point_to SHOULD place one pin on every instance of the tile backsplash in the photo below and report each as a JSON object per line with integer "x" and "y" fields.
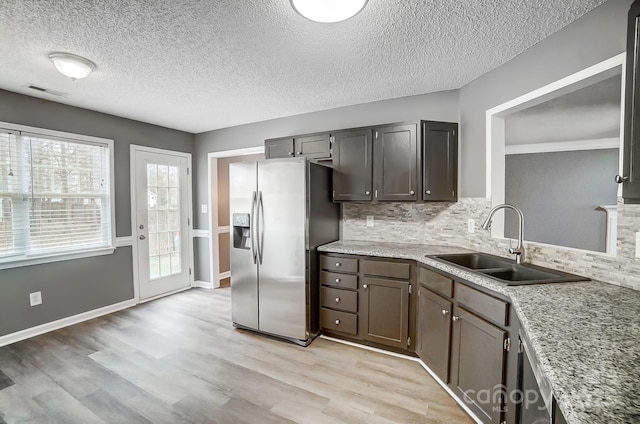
{"x": 446, "y": 224}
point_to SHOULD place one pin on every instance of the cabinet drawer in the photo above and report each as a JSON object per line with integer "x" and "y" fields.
{"x": 436, "y": 282}
{"x": 343, "y": 300}
{"x": 386, "y": 269}
{"x": 335, "y": 279}
{"x": 495, "y": 309}
{"x": 337, "y": 263}
{"x": 339, "y": 321}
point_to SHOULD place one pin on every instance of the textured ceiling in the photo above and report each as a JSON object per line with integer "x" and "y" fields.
{"x": 589, "y": 113}
{"x": 203, "y": 65}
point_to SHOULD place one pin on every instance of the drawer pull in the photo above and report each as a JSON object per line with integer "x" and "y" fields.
{"x": 338, "y": 264}
{"x": 337, "y": 300}
{"x": 445, "y": 312}
{"x": 338, "y": 280}
{"x": 364, "y": 286}
{"x": 337, "y": 322}
{"x": 455, "y": 318}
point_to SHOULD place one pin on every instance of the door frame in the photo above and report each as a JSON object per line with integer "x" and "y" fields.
{"x": 133, "y": 149}
{"x": 212, "y": 195}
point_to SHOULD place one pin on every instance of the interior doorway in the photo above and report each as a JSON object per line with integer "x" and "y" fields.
{"x": 219, "y": 207}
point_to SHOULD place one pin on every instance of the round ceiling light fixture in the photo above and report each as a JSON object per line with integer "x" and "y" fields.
{"x": 328, "y": 11}
{"x": 71, "y": 65}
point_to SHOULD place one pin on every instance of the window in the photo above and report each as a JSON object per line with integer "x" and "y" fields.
{"x": 56, "y": 197}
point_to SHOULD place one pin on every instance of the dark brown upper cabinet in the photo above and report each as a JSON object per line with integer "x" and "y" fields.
{"x": 315, "y": 147}
{"x": 630, "y": 178}
{"x": 352, "y": 156}
{"x": 396, "y": 163}
{"x": 439, "y": 161}
{"x": 279, "y": 148}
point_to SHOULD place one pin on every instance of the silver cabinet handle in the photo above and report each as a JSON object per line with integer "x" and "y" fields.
{"x": 141, "y": 227}
{"x": 337, "y": 322}
{"x": 142, "y": 237}
{"x": 427, "y": 191}
{"x": 298, "y": 153}
{"x": 412, "y": 192}
{"x": 337, "y": 300}
{"x": 445, "y": 312}
{"x": 367, "y": 192}
{"x": 290, "y": 153}
{"x": 338, "y": 264}
{"x": 364, "y": 286}
{"x": 620, "y": 179}
{"x": 338, "y": 280}
{"x": 455, "y": 318}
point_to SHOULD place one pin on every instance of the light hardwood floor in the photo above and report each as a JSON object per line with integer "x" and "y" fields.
{"x": 179, "y": 360}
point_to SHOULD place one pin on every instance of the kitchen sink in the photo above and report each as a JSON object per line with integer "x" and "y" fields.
{"x": 476, "y": 260}
{"x": 506, "y": 271}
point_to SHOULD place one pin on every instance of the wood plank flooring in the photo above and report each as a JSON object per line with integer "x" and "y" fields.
{"x": 179, "y": 360}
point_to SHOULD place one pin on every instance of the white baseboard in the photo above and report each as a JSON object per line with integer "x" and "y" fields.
{"x": 203, "y": 284}
{"x": 64, "y": 322}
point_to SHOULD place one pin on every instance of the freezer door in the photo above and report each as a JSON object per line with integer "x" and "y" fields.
{"x": 244, "y": 272}
{"x": 282, "y": 228}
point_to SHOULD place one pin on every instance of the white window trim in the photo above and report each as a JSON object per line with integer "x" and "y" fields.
{"x": 9, "y": 262}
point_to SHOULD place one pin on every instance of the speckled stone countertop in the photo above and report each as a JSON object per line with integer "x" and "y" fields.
{"x": 585, "y": 335}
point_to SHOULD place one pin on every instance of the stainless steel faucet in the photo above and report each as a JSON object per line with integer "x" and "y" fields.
{"x": 519, "y": 250}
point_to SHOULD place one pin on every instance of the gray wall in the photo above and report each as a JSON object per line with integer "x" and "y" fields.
{"x": 598, "y": 35}
{"x": 442, "y": 106}
{"x": 72, "y": 287}
{"x": 559, "y": 192}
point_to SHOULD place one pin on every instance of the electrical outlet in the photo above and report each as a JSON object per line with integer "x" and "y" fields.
{"x": 203, "y": 208}
{"x": 637, "y": 244}
{"x": 471, "y": 226}
{"x": 35, "y": 298}
{"x": 369, "y": 221}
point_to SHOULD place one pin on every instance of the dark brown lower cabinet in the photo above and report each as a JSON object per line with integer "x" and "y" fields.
{"x": 434, "y": 332}
{"x": 384, "y": 311}
{"x": 478, "y": 364}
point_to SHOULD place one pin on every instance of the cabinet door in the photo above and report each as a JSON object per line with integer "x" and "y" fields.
{"x": 477, "y": 364}
{"x": 631, "y": 166}
{"x": 434, "y": 332}
{"x": 439, "y": 161}
{"x": 352, "y": 165}
{"x": 384, "y": 311}
{"x": 396, "y": 162}
{"x": 278, "y": 148}
{"x": 313, "y": 146}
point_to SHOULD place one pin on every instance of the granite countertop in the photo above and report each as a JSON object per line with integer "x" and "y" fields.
{"x": 585, "y": 335}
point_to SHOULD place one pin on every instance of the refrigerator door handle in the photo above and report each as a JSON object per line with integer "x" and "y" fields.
{"x": 252, "y": 231}
{"x": 260, "y": 226}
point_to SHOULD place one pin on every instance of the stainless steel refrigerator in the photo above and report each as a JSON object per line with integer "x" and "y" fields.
{"x": 281, "y": 211}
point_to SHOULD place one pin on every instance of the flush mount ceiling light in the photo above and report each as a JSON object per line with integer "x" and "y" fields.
{"x": 328, "y": 11}
{"x": 71, "y": 65}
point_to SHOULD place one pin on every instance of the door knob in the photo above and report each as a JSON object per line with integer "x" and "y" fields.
{"x": 367, "y": 192}
{"x": 412, "y": 192}
{"x": 337, "y": 322}
{"x": 338, "y": 264}
{"x": 337, "y": 280}
{"x": 337, "y": 300}
{"x": 142, "y": 237}
{"x": 427, "y": 191}
{"x": 455, "y": 318}
{"x": 620, "y": 179}
{"x": 364, "y": 286}
{"x": 141, "y": 227}
{"x": 445, "y": 312}
{"x": 290, "y": 153}
{"x": 298, "y": 153}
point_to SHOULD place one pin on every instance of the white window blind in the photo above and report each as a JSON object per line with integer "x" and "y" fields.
{"x": 55, "y": 195}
